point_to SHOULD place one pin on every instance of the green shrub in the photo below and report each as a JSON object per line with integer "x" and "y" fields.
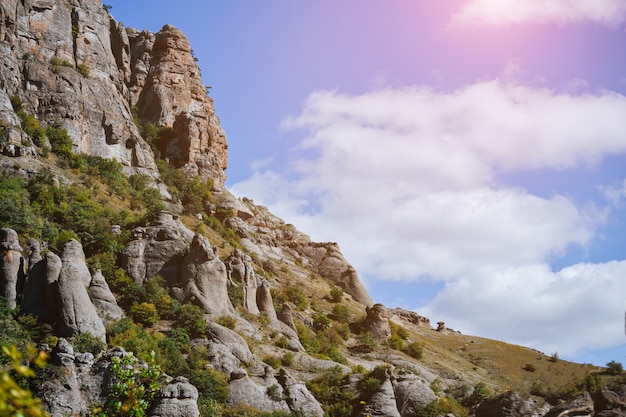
{"x": 614, "y": 367}
{"x": 227, "y": 321}
{"x": 60, "y": 141}
{"x": 336, "y": 294}
{"x": 133, "y": 389}
{"x": 415, "y": 350}
{"x": 341, "y": 313}
{"x": 144, "y": 313}
{"x": 84, "y": 342}
{"x": 321, "y": 321}
{"x": 440, "y": 407}
{"x": 367, "y": 343}
{"x": 83, "y": 69}
{"x": 191, "y": 318}
{"x": 329, "y": 390}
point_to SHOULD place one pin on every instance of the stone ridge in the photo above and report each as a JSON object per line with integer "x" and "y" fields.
{"x": 73, "y": 66}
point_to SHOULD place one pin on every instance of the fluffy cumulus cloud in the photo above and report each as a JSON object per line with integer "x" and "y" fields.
{"x": 504, "y": 12}
{"x": 407, "y": 181}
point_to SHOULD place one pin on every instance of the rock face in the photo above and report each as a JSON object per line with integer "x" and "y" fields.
{"x": 269, "y": 238}
{"x": 72, "y": 65}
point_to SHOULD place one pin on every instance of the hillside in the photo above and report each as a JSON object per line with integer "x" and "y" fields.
{"x": 155, "y": 291}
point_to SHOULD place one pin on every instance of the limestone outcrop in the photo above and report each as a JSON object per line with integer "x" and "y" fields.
{"x": 73, "y": 66}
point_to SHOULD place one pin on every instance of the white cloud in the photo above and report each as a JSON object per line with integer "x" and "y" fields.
{"x": 580, "y": 307}
{"x": 505, "y": 12}
{"x": 406, "y": 180}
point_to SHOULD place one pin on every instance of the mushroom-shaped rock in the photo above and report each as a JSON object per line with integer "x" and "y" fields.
{"x": 103, "y": 299}
{"x": 77, "y": 312}
{"x": 179, "y": 398}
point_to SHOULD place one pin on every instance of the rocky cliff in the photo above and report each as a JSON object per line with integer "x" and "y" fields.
{"x": 112, "y": 170}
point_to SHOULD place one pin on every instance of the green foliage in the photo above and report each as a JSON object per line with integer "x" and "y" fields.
{"x": 329, "y": 390}
{"x": 340, "y": 313}
{"x": 191, "y": 318}
{"x": 84, "y": 342}
{"x": 133, "y": 338}
{"x": 369, "y": 386}
{"x": 441, "y": 407}
{"x": 193, "y": 193}
{"x": 274, "y": 392}
{"x": 480, "y": 394}
{"x": 593, "y": 383}
{"x": 15, "y": 207}
{"x": 144, "y": 313}
{"x": 60, "y": 142}
{"x": 227, "y": 321}
{"x": 16, "y": 400}
{"x": 33, "y": 129}
{"x": 287, "y": 359}
{"x": 83, "y": 69}
{"x": 415, "y": 350}
{"x": 336, "y": 294}
{"x": 321, "y": 321}
{"x": 272, "y": 361}
{"x": 211, "y": 384}
{"x": 614, "y": 367}
{"x": 133, "y": 389}
{"x": 367, "y": 343}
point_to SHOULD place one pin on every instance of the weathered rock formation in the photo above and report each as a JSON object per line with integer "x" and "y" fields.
{"x": 157, "y": 249}
{"x": 72, "y": 65}
{"x": 204, "y": 280}
{"x": 11, "y": 265}
{"x": 77, "y": 314}
{"x": 239, "y": 267}
{"x": 178, "y": 398}
{"x": 377, "y": 322}
{"x": 103, "y": 299}
{"x": 509, "y": 404}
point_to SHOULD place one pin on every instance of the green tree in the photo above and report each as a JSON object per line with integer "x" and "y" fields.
{"x": 16, "y": 400}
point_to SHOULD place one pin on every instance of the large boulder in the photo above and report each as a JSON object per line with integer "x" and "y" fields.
{"x": 179, "y": 398}
{"x": 157, "y": 249}
{"x": 509, "y": 404}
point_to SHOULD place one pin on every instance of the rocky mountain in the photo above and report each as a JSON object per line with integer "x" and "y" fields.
{"x": 157, "y": 292}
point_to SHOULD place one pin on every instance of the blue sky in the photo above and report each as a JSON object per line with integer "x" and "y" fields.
{"x": 468, "y": 155}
